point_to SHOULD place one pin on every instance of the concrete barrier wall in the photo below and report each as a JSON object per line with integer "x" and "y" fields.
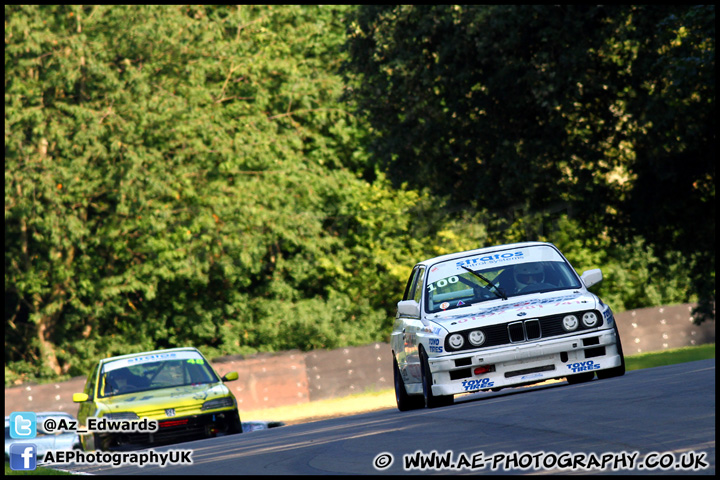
{"x": 660, "y": 328}
{"x": 294, "y": 377}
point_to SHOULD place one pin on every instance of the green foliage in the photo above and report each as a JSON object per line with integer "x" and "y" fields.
{"x": 634, "y": 276}
{"x": 504, "y": 105}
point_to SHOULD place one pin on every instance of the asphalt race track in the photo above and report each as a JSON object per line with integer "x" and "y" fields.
{"x": 662, "y": 416}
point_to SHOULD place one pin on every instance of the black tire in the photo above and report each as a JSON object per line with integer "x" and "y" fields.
{"x": 234, "y": 425}
{"x": 616, "y": 371}
{"x": 404, "y": 401}
{"x": 431, "y": 401}
{"x": 103, "y": 442}
{"x": 580, "y": 378}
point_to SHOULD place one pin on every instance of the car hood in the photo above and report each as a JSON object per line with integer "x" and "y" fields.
{"x": 522, "y": 308}
{"x": 151, "y": 400}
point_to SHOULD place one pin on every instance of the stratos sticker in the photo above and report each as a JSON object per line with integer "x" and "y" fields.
{"x": 498, "y": 257}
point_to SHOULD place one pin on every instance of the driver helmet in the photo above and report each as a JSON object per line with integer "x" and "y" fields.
{"x": 124, "y": 378}
{"x": 528, "y": 274}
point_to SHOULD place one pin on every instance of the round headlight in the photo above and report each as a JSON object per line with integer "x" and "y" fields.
{"x": 456, "y": 340}
{"x": 590, "y": 319}
{"x": 570, "y": 323}
{"x": 476, "y": 337}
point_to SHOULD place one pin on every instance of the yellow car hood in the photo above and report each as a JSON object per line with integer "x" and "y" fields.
{"x": 186, "y": 400}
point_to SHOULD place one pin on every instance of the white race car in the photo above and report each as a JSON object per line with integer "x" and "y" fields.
{"x": 497, "y": 317}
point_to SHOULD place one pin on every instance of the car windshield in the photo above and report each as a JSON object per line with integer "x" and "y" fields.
{"x": 154, "y": 371}
{"x": 502, "y": 274}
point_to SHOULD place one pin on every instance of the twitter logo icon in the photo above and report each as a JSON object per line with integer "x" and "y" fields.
{"x": 23, "y": 425}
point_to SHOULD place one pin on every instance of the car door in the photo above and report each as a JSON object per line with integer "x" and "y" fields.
{"x": 397, "y": 338}
{"x": 407, "y": 326}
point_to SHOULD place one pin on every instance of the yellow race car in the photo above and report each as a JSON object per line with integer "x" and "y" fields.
{"x": 165, "y": 395}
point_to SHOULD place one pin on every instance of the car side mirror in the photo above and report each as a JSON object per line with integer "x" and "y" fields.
{"x": 591, "y": 277}
{"x": 80, "y": 397}
{"x": 230, "y": 376}
{"x": 408, "y": 308}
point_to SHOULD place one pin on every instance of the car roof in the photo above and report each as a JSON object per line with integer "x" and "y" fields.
{"x": 480, "y": 251}
{"x": 152, "y": 352}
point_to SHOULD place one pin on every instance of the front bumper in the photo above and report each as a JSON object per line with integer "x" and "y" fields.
{"x": 525, "y": 363}
{"x": 174, "y": 429}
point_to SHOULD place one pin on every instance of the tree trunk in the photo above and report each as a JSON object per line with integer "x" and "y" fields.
{"x": 47, "y": 349}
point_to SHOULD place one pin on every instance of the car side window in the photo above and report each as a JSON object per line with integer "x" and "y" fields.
{"x": 90, "y": 385}
{"x": 410, "y": 284}
{"x": 417, "y": 288}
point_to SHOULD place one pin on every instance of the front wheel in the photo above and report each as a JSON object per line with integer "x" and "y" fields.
{"x": 616, "y": 371}
{"x": 404, "y": 401}
{"x": 431, "y": 401}
{"x": 103, "y": 442}
{"x": 580, "y": 378}
{"x": 235, "y": 425}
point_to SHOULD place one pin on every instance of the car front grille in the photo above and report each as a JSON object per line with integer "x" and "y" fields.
{"x": 178, "y": 411}
{"x": 532, "y": 329}
{"x": 522, "y": 331}
{"x": 172, "y": 430}
{"x": 516, "y": 332}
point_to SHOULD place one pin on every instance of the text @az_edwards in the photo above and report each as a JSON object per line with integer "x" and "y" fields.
{"x": 100, "y": 425}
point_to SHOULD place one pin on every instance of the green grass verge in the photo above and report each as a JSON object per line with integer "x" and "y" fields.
{"x": 37, "y": 471}
{"x": 669, "y": 357}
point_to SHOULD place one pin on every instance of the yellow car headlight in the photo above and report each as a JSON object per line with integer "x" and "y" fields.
{"x": 218, "y": 403}
{"x": 122, "y": 416}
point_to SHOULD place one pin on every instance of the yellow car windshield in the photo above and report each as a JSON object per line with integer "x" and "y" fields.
{"x": 123, "y": 376}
